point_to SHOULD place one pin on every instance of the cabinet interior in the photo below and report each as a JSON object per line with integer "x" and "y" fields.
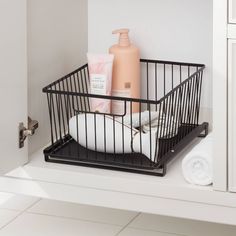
{"x": 60, "y": 33}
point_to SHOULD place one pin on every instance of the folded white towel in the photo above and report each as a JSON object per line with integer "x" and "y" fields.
{"x": 139, "y": 119}
{"x": 165, "y": 126}
{"x": 197, "y": 165}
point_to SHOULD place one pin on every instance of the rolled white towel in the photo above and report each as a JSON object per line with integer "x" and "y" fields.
{"x": 197, "y": 165}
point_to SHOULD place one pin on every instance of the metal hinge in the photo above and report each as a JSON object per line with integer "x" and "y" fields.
{"x": 25, "y": 132}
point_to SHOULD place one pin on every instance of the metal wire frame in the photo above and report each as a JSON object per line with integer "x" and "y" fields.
{"x": 171, "y": 89}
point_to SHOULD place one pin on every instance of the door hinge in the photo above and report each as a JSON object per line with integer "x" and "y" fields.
{"x": 25, "y": 132}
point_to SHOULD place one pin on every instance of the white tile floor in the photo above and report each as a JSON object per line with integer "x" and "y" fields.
{"x": 22, "y": 215}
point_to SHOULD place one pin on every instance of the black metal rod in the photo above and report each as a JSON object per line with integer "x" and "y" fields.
{"x": 179, "y": 84}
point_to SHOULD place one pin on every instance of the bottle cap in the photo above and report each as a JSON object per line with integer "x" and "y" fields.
{"x": 124, "y": 37}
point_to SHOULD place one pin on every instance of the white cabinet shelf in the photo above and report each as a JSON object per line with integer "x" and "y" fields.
{"x": 170, "y": 195}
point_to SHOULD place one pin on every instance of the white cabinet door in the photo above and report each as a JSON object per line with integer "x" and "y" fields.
{"x": 232, "y": 11}
{"x": 232, "y": 114}
{"x": 13, "y": 82}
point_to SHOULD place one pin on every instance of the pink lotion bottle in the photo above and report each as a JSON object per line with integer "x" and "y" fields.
{"x": 126, "y": 72}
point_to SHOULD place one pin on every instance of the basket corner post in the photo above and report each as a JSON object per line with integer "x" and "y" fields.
{"x": 205, "y": 132}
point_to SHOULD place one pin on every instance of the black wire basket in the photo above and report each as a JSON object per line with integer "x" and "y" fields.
{"x": 170, "y": 101}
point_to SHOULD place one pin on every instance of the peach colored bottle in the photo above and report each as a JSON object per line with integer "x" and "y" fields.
{"x": 126, "y": 72}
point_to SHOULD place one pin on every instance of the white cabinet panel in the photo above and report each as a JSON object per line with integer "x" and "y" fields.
{"x": 232, "y": 31}
{"x": 232, "y": 11}
{"x": 232, "y": 115}
{"x": 220, "y": 98}
{"x": 13, "y": 82}
{"x": 57, "y": 45}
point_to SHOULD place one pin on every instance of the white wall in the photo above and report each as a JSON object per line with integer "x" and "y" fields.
{"x": 60, "y": 32}
{"x": 164, "y": 29}
{"x": 57, "y": 44}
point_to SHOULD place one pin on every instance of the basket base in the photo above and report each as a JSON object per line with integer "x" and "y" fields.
{"x": 70, "y": 152}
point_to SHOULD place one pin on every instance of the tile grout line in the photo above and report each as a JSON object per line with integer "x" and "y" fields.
{"x": 20, "y": 213}
{"x": 73, "y": 218}
{"x": 124, "y": 227}
{"x": 135, "y": 217}
{"x": 31, "y": 205}
{"x": 157, "y": 231}
{"x": 11, "y": 209}
{"x": 27, "y": 210}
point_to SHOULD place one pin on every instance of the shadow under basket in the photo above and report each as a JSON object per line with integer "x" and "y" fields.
{"x": 171, "y": 90}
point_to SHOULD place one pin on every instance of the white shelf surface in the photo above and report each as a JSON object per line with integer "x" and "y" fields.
{"x": 170, "y": 195}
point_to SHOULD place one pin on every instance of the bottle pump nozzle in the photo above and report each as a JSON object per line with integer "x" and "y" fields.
{"x": 124, "y": 37}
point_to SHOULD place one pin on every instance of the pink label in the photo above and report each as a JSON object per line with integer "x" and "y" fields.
{"x": 118, "y": 107}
